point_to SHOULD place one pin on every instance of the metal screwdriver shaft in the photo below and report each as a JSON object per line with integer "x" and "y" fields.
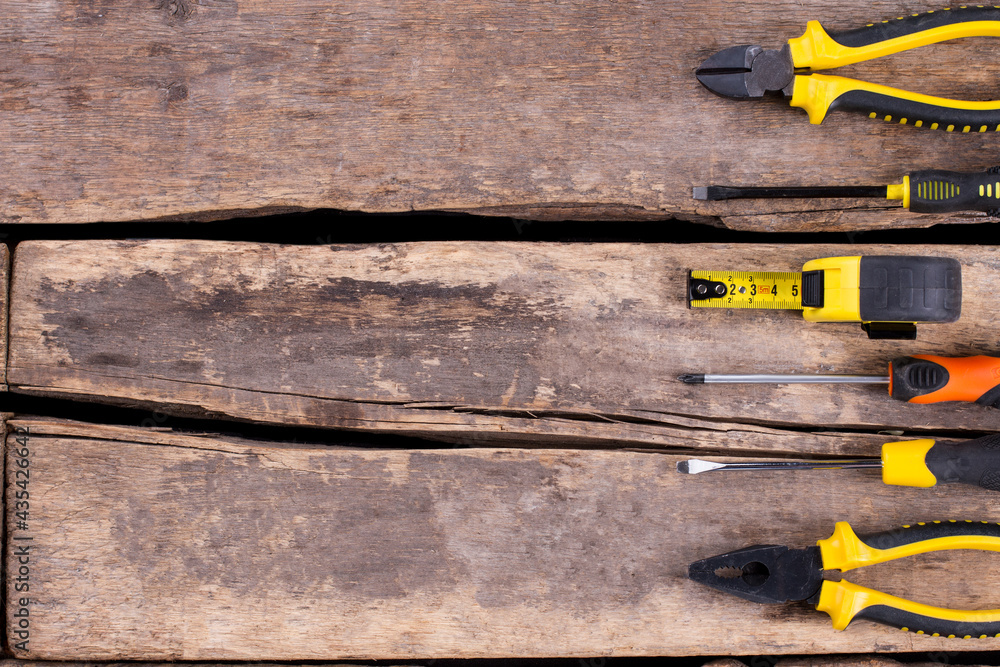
{"x": 695, "y": 466}
{"x": 720, "y": 192}
{"x": 699, "y": 378}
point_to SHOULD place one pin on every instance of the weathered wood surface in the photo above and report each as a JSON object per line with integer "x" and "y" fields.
{"x": 540, "y": 343}
{"x": 51, "y": 663}
{"x": 933, "y": 659}
{"x": 4, "y": 294}
{"x": 151, "y": 545}
{"x": 131, "y": 109}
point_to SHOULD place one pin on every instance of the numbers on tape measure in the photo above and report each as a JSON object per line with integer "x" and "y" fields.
{"x": 751, "y": 289}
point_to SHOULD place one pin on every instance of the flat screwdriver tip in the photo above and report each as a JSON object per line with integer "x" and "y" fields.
{"x": 695, "y": 466}
{"x": 700, "y": 193}
{"x": 692, "y": 378}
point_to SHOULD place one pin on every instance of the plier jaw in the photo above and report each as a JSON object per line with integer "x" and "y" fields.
{"x": 766, "y": 574}
{"x": 748, "y": 72}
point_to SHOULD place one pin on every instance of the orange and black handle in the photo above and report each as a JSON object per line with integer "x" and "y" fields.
{"x": 923, "y": 378}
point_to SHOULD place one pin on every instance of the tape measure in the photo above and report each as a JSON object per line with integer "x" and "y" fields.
{"x": 888, "y": 294}
{"x": 773, "y": 290}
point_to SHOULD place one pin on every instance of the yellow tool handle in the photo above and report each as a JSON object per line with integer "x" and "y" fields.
{"x": 845, "y": 602}
{"x": 818, "y": 50}
{"x": 926, "y": 463}
{"x": 845, "y": 551}
{"x": 818, "y": 94}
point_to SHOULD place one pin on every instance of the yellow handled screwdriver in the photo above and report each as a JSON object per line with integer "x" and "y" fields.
{"x": 922, "y": 463}
{"x": 926, "y": 191}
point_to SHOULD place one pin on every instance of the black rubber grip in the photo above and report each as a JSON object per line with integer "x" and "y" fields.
{"x": 901, "y": 288}
{"x": 881, "y": 31}
{"x": 929, "y": 530}
{"x": 939, "y": 191}
{"x": 913, "y": 377}
{"x": 928, "y": 625}
{"x": 975, "y": 462}
{"x": 895, "y": 109}
{"x": 990, "y": 398}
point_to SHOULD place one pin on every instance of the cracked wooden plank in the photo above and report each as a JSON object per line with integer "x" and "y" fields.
{"x": 4, "y": 301}
{"x": 149, "y": 545}
{"x": 544, "y": 343}
{"x": 50, "y": 663}
{"x": 139, "y": 109}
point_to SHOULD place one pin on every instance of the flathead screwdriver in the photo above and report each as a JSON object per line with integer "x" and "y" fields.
{"x": 919, "y": 378}
{"x": 908, "y": 463}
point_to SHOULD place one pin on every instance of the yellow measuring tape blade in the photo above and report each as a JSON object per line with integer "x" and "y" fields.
{"x": 773, "y": 290}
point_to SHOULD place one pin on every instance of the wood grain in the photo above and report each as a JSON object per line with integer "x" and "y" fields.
{"x": 150, "y": 546}
{"x": 4, "y": 297}
{"x": 546, "y": 344}
{"x": 143, "y": 109}
{"x": 935, "y": 659}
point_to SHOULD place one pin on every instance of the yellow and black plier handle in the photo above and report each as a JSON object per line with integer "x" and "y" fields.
{"x": 774, "y": 574}
{"x": 819, "y": 94}
{"x": 846, "y": 602}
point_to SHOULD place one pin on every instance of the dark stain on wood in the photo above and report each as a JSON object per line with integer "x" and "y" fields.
{"x": 223, "y": 515}
{"x": 176, "y": 92}
{"x": 282, "y": 334}
{"x": 552, "y": 530}
{"x": 175, "y": 9}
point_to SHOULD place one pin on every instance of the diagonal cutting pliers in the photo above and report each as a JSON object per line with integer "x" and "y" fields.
{"x": 748, "y": 72}
{"x": 778, "y": 574}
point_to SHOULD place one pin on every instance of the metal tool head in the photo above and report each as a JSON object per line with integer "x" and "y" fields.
{"x": 767, "y": 574}
{"x": 747, "y": 72}
{"x": 695, "y": 466}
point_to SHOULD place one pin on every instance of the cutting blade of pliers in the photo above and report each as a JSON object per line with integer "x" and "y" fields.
{"x": 750, "y": 71}
{"x": 772, "y": 574}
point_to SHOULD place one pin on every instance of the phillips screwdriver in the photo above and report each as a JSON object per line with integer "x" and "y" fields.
{"x": 927, "y": 191}
{"x": 920, "y": 463}
{"x": 919, "y": 378}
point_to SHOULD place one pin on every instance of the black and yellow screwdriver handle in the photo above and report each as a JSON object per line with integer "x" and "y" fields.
{"x": 923, "y": 378}
{"x": 818, "y": 50}
{"x": 927, "y": 463}
{"x": 846, "y": 602}
{"x": 939, "y": 191}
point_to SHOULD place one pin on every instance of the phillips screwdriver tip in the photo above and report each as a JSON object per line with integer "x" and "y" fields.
{"x": 692, "y": 378}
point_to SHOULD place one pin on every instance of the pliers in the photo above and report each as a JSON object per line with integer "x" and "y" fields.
{"x": 748, "y": 72}
{"x": 777, "y": 574}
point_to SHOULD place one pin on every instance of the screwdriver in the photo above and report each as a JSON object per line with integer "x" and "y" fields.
{"x": 919, "y": 378}
{"x": 927, "y": 191}
{"x": 921, "y": 463}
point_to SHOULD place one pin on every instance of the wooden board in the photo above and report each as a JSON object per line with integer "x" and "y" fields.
{"x": 541, "y": 344}
{"x": 4, "y": 295}
{"x": 130, "y": 109}
{"x": 934, "y": 659}
{"x": 149, "y": 545}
